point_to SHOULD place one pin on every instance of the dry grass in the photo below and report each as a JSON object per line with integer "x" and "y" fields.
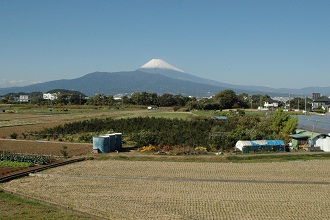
{"x": 185, "y": 190}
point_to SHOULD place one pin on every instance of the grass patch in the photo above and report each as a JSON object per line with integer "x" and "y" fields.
{"x": 15, "y": 164}
{"x": 13, "y": 207}
{"x": 277, "y": 158}
{"x": 170, "y": 115}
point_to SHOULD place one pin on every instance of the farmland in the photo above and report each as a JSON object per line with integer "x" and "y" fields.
{"x": 185, "y": 190}
{"x": 132, "y": 185}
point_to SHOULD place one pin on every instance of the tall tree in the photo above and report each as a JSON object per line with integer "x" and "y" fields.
{"x": 226, "y": 99}
{"x": 283, "y": 124}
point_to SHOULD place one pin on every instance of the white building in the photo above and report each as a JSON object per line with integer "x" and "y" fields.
{"x": 322, "y": 141}
{"x": 271, "y": 104}
{"x": 50, "y": 96}
{"x": 23, "y": 98}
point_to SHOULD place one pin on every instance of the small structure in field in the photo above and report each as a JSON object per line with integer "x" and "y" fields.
{"x": 310, "y": 141}
{"x": 107, "y": 143}
{"x": 300, "y": 140}
{"x": 260, "y": 146}
{"x": 322, "y": 141}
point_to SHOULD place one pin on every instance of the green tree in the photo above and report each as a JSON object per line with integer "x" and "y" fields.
{"x": 62, "y": 99}
{"x": 283, "y": 124}
{"x": 166, "y": 100}
{"x": 244, "y": 100}
{"x": 288, "y": 128}
{"x": 226, "y": 99}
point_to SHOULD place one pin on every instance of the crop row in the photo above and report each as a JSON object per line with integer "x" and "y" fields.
{"x": 33, "y": 159}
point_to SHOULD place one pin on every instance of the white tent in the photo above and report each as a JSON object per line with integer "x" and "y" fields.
{"x": 322, "y": 141}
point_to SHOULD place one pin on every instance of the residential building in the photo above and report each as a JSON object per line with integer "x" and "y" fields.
{"x": 322, "y": 103}
{"x": 50, "y": 96}
{"x": 271, "y": 104}
{"x": 23, "y": 98}
{"x": 316, "y": 96}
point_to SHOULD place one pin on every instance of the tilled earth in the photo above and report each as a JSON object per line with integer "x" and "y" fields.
{"x": 26, "y": 123}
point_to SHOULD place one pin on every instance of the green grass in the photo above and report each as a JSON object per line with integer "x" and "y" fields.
{"x": 13, "y": 207}
{"x": 170, "y": 115}
{"x": 15, "y": 164}
{"x": 278, "y": 157}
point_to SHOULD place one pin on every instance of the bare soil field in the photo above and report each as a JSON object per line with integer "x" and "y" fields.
{"x": 44, "y": 147}
{"x": 28, "y": 122}
{"x": 185, "y": 190}
{"x": 52, "y": 149}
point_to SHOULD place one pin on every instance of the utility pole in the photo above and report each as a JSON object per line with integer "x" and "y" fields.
{"x": 251, "y": 101}
{"x": 289, "y": 101}
{"x": 305, "y": 106}
{"x": 298, "y": 104}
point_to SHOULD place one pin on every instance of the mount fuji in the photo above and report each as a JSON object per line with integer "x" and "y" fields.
{"x": 166, "y": 69}
{"x": 155, "y": 65}
{"x": 162, "y": 67}
{"x": 155, "y": 76}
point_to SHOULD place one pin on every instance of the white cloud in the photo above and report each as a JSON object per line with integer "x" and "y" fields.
{"x": 15, "y": 82}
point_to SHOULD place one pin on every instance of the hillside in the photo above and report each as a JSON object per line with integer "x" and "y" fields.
{"x": 121, "y": 82}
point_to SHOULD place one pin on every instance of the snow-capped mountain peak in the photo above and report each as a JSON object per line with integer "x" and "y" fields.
{"x": 160, "y": 64}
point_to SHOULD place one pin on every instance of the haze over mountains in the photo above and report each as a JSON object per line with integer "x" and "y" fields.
{"x": 155, "y": 76}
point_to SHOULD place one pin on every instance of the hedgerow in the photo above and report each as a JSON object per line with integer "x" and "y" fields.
{"x": 200, "y": 131}
{"x": 142, "y": 130}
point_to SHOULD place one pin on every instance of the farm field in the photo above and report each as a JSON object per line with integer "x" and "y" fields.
{"x": 29, "y": 120}
{"x": 131, "y": 185}
{"x": 44, "y": 147}
{"x": 185, "y": 190}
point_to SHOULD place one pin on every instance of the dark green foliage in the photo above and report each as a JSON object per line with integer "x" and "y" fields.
{"x": 226, "y": 99}
{"x": 65, "y": 91}
{"x": 143, "y": 130}
{"x": 178, "y": 132}
{"x": 34, "y": 159}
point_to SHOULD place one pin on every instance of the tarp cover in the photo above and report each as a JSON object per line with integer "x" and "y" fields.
{"x": 267, "y": 143}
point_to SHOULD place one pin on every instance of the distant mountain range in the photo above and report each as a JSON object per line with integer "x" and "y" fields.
{"x": 155, "y": 76}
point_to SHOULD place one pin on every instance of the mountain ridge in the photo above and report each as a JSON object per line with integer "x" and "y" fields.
{"x": 155, "y": 76}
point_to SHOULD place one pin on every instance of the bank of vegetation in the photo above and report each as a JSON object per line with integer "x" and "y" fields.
{"x": 211, "y": 133}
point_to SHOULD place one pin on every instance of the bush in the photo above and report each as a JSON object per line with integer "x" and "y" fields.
{"x": 13, "y": 135}
{"x": 148, "y": 148}
{"x": 64, "y": 152}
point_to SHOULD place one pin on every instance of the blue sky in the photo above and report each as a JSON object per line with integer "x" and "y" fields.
{"x": 276, "y": 43}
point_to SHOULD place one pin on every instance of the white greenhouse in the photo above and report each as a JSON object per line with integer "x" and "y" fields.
{"x": 322, "y": 141}
{"x": 260, "y": 146}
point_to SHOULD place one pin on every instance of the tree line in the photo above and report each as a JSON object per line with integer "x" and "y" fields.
{"x": 198, "y": 131}
{"x": 226, "y": 99}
